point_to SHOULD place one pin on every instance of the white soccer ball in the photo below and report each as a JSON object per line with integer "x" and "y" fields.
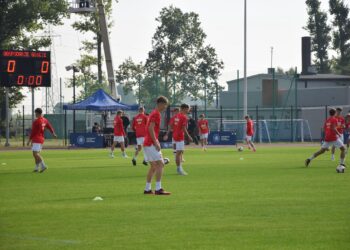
{"x": 340, "y": 169}
{"x": 240, "y": 149}
{"x": 166, "y": 161}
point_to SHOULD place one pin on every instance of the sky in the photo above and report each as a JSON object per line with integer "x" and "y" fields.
{"x": 271, "y": 23}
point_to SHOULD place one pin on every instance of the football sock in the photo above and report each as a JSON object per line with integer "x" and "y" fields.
{"x": 42, "y": 163}
{"x": 342, "y": 161}
{"x": 36, "y": 166}
{"x": 179, "y": 168}
{"x": 158, "y": 185}
{"x": 148, "y": 186}
{"x": 312, "y": 157}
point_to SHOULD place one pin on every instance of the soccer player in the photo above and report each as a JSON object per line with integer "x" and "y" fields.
{"x": 332, "y": 138}
{"x": 152, "y": 148}
{"x": 203, "y": 127}
{"x": 139, "y": 126}
{"x": 249, "y": 132}
{"x": 340, "y": 128}
{"x": 170, "y": 128}
{"x": 37, "y": 139}
{"x": 179, "y": 131}
{"x": 119, "y": 134}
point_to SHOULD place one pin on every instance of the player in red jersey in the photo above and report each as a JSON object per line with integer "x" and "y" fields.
{"x": 139, "y": 126}
{"x": 170, "y": 129}
{"x": 340, "y": 128}
{"x": 249, "y": 132}
{"x": 119, "y": 134}
{"x": 203, "y": 128}
{"x": 37, "y": 138}
{"x": 151, "y": 147}
{"x": 332, "y": 138}
{"x": 179, "y": 131}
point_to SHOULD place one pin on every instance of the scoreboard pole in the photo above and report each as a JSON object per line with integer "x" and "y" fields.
{"x": 7, "y": 144}
{"x": 33, "y": 103}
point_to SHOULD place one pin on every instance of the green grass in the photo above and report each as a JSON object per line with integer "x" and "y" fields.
{"x": 268, "y": 200}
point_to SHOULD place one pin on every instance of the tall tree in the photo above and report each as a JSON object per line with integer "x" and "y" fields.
{"x": 19, "y": 20}
{"x": 320, "y": 32}
{"x": 341, "y": 34}
{"x": 90, "y": 22}
{"x": 177, "y": 49}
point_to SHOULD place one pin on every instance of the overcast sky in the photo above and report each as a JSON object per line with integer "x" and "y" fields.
{"x": 277, "y": 23}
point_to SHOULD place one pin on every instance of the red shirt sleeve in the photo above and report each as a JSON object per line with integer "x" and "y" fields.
{"x": 49, "y": 127}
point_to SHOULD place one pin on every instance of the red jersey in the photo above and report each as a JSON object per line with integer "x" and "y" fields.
{"x": 118, "y": 126}
{"x": 250, "y": 127}
{"x": 330, "y": 134}
{"x": 203, "y": 126}
{"x": 171, "y": 121}
{"x": 38, "y": 129}
{"x": 154, "y": 117}
{"x": 139, "y": 125}
{"x": 180, "y": 121}
{"x": 340, "y": 124}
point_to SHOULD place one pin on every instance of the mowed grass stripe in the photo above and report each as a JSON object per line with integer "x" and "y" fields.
{"x": 230, "y": 200}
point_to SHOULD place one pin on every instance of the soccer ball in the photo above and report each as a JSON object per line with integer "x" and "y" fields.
{"x": 340, "y": 169}
{"x": 240, "y": 149}
{"x": 166, "y": 161}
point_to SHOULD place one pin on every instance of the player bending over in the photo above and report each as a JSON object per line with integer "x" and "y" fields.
{"x": 37, "y": 139}
{"x": 203, "y": 127}
{"x": 139, "y": 126}
{"x": 179, "y": 131}
{"x": 152, "y": 148}
{"x": 249, "y": 132}
{"x": 340, "y": 128}
{"x": 119, "y": 134}
{"x": 332, "y": 138}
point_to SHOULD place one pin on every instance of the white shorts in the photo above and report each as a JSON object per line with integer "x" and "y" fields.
{"x": 204, "y": 136}
{"x": 37, "y": 147}
{"x": 342, "y": 137}
{"x": 248, "y": 138}
{"x": 152, "y": 154}
{"x": 172, "y": 141}
{"x": 180, "y": 145}
{"x": 118, "y": 139}
{"x": 140, "y": 141}
{"x": 338, "y": 144}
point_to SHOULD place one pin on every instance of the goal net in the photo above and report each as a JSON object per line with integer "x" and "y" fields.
{"x": 279, "y": 130}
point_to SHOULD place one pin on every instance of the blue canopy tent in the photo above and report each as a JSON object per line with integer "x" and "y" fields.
{"x": 99, "y": 101}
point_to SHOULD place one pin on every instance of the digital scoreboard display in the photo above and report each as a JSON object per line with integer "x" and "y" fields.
{"x": 25, "y": 68}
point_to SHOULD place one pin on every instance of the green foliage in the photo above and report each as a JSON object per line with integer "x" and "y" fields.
{"x": 90, "y": 23}
{"x": 320, "y": 32}
{"x": 181, "y": 57}
{"x": 341, "y": 35}
{"x": 19, "y": 20}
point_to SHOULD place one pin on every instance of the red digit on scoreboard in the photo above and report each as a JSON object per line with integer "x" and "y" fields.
{"x": 11, "y": 65}
{"x": 20, "y": 80}
{"x": 38, "y": 80}
{"x": 31, "y": 80}
{"x": 44, "y": 67}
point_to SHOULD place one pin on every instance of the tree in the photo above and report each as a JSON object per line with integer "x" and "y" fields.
{"x": 134, "y": 78}
{"x": 179, "y": 55}
{"x": 90, "y": 23}
{"x": 19, "y": 20}
{"x": 341, "y": 34}
{"x": 320, "y": 32}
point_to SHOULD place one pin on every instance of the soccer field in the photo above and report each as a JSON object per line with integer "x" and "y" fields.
{"x": 229, "y": 200}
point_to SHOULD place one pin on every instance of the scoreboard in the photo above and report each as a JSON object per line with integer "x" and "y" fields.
{"x": 25, "y": 68}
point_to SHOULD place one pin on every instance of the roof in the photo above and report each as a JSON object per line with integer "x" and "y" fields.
{"x": 99, "y": 101}
{"x": 324, "y": 77}
{"x": 268, "y": 76}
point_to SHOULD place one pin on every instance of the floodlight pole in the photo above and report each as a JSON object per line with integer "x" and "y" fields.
{"x": 245, "y": 87}
{"x": 7, "y": 143}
